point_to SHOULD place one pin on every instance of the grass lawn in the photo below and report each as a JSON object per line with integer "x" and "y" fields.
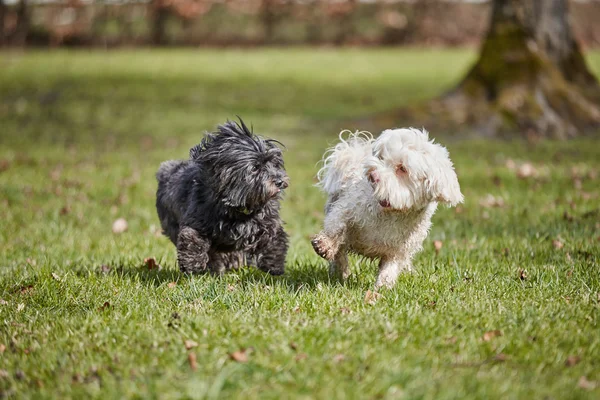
{"x": 508, "y": 308}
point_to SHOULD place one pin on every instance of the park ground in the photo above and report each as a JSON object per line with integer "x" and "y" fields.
{"x": 505, "y": 302}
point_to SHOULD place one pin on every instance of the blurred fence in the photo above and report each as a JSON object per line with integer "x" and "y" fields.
{"x": 258, "y": 22}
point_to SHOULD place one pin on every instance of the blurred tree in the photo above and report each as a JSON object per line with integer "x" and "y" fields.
{"x": 2, "y": 16}
{"x": 22, "y": 27}
{"x": 530, "y": 77}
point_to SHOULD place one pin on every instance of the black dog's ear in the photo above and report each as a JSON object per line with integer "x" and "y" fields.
{"x": 196, "y": 151}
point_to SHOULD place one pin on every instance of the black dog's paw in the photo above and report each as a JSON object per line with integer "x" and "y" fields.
{"x": 192, "y": 255}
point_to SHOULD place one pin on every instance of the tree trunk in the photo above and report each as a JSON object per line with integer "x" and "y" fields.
{"x": 160, "y": 14}
{"x": 22, "y": 27}
{"x": 269, "y": 19}
{"x": 2, "y": 14}
{"x": 531, "y": 78}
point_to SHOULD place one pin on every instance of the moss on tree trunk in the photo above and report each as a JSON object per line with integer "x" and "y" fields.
{"x": 530, "y": 78}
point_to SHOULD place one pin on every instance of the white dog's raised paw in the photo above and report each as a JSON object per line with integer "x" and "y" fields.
{"x": 324, "y": 246}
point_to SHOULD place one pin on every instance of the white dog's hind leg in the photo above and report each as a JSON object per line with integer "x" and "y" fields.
{"x": 339, "y": 266}
{"x": 389, "y": 269}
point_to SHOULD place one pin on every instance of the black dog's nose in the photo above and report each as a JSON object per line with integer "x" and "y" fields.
{"x": 281, "y": 184}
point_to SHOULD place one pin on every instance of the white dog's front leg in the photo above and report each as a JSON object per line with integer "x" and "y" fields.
{"x": 328, "y": 242}
{"x": 389, "y": 269}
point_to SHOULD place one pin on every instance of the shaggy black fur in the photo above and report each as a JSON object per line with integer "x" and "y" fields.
{"x": 221, "y": 207}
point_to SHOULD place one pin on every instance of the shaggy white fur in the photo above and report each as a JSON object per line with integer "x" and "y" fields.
{"x": 382, "y": 194}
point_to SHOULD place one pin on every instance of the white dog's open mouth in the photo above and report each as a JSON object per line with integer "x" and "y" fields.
{"x": 384, "y": 203}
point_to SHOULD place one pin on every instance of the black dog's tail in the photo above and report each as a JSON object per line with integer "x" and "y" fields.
{"x": 167, "y": 169}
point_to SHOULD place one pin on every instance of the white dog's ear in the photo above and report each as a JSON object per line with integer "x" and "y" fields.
{"x": 444, "y": 187}
{"x": 442, "y": 180}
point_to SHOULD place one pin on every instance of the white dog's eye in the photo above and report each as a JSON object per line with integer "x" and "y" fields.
{"x": 401, "y": 169}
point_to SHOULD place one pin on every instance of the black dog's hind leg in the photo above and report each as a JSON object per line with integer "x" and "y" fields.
{"x": 192, "y": 251}
{"x": 220, "y": 263}
{"x": 270, "y": 254}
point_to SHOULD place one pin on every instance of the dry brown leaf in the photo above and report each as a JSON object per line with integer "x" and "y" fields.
{"x": 557, "y": 244}
{"x": 192, "y": 361}
{"x": 339, "y": 358}
{"x": 301, "y": 356}
{"x": 119, "y": 226}
{"x": 4, "y": 373}
{"x": 171, "y": 285}
{"x": 490, "y": 201}
{"x": 522, "y": 274}
{"x": 151, "y": 263}
{"x": 450, "y": 340}
{"x": 437, "y": 245}
{"x": 297, "y": 309}
{"x": 345, "y": 310}
{"x": 293, "y": 346}
{"x": 586, "y": 384}
{"x": 572, "y": 360}
{"x": 500, "y": 357}
{"x": 104, "y": 306}
{"x": 2, "y": 348}
{"x": 526, "y": 170}
{"x": 190, "y": 344}
{"x": 372, "y": 297}
{"x": 105, "y": 269}
{"x": 230, "y": 287}
{"x": 240, "y": 356}
{"x": 489, "y": 335}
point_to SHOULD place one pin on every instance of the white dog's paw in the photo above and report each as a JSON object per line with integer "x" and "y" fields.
{"x": 324, "y": 246}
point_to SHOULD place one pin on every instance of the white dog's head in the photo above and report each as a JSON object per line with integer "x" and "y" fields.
{"x": 407, "y": 170}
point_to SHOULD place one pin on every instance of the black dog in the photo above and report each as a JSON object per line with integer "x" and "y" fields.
{"x": 221, "y": 207}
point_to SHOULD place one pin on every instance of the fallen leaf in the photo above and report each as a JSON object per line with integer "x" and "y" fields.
{"x": 491, "y": 201}
{"x": 2, "y": 348}
{"x": 64, "y": 210}
{"x": 301, "y": 356}
{"x": 19, "y": 375}
{"x": 345, "y": 310}
{"x": 190, "y": 344}
{"x": 500, "y": 357}
{"x": 297, "y": 309}
{"x": 105, "y": 269}
{"x": 56, "y": 277}
{"x": 526, "y": 170}
{"x": 584, "y": 383}
{"x": 172, "y": 285}
{"x": 239, "y": 356}
{"x": 489, "y": 335}
{"x": 192, "y": 361}
{"x": 4, "y": 373}
{"x": 151, "y": 263}
{"x": 104, "y": 306}
{"x": 119, "y": 226}
{"x": 339, "y": 358}
{"x": 372, "y": 297}
{"x": 522, "y": 274}
{"x": 437, "y": 245}
{"x": 450, "y": 340}
{"x": 572, "y": 360}
{"x": 293, "y": 346}
{"x": 230, "y": 287}
{"x": 557, "y": 244}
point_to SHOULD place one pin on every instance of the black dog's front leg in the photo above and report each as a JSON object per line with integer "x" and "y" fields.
{"x": 192, "y": 251}
{"x": 270, "y": 254}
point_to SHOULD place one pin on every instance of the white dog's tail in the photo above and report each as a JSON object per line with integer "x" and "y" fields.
{"x": 342, "y": 164}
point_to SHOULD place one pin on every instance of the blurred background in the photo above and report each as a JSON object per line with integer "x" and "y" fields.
{"x": 112, "y": 23}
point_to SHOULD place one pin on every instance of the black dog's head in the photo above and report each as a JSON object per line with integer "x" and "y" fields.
{"x": 244, "y": 170}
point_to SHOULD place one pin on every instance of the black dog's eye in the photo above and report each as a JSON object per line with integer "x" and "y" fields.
{"x": 253, "y": 168}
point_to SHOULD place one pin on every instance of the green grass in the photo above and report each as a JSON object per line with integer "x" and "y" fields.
{"x": 81, "y": 135}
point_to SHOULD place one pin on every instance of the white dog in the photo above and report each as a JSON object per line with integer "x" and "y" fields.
{"x": 382, "y": 194}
